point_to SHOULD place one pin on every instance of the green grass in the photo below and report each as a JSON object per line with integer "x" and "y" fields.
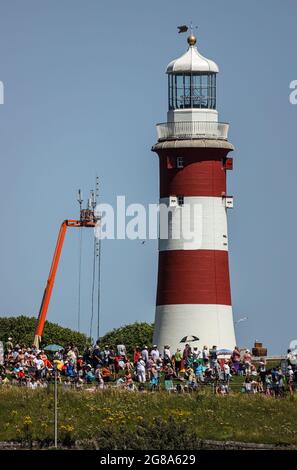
{"x": 118, "y": 419}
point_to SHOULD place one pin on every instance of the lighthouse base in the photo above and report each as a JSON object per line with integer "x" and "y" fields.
{"x": 212, "y": 324}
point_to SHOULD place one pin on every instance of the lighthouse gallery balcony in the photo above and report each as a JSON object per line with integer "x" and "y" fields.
{"x": 192, "y": 130}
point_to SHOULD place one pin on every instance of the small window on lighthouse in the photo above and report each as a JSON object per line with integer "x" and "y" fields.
{"x": 180, "y": 200}
{"x": 229, "y": 202}
{"x": 179, "y": 162}
{"x": 173, "y": 201}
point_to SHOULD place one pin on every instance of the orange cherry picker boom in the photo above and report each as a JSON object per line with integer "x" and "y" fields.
{"x": 87, "y": 219}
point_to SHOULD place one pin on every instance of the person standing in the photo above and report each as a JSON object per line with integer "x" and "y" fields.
{"x": 106, "y": 354}
{"x": 196, "y": 354}
{"x": 205, "y": 354}
{"x": 178, "y": 360}
{"x": 39, "y": 365}
{"x": 140, "y": 369}
{"x": 227, "y": 375}
{"x": 186, "y": 355}
{"x": 121, "y": 349}
{"x": 247, "y": 360}
{"x": 262, "y": 371}
{"x": 155, "y": 353}
{"x": 290, "y": 379}
{"x": 71, "y": 356}
{"x": 235, "y": 359}
{"x": 9, "y": 345}
{"x": 213, "y": 357}
{"x": 136, "y": 355}
{"x": 167, "y": 354}
{"x": 144, "y": 354}
{"x": 97, "y": 357}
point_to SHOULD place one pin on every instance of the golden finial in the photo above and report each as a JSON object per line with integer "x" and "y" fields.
{"x": 192, "y": 40}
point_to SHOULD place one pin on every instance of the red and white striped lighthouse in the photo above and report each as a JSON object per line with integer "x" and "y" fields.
{"x": 193, "y": 295}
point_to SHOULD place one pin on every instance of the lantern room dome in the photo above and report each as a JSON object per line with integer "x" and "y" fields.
{"x": 192, "y": 61}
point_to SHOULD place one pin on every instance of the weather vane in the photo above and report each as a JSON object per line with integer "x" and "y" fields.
{"x": 184, "y": 28}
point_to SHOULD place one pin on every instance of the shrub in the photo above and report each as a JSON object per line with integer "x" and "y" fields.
{"x": 136, "y": 334}
{"x": 22, "y": 330}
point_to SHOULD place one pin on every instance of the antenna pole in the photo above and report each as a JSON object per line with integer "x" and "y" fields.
{"x": 80, "y": 201}
{"x": 98, "y": 255}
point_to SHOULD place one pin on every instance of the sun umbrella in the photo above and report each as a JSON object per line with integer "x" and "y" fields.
{"x": 188, "y": 339}
{"x": 224, "y": 351}
{"x": 53, "y": 347}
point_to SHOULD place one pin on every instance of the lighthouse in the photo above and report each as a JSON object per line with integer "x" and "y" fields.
{"x": 193, "y": 290}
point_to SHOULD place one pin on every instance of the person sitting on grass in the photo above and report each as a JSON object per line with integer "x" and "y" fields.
{"x": 128, "y": 365}
{"x": 67, "y": 383}
{"x": 199, "y": 373}
{"x": 247, "y": 386}
{"x": 99, "y": 378}
{"x": 105, "y": 372}
{"x": 260, "y": 386}
{"x": 190, "y": 377}
{"x": 32, "y": 383}
{"x": 131, "y": 387}
{"x": 120, "y": 382}
{"x": 128, "y": 378}
{"x": 222, "y": 389}
{"x": 208, "y": 374}
{"x": 70, "y": 370}
{"x": 89, "y": 374}
{"x": 254, "y": 385}
{"x": 268, "y": 384}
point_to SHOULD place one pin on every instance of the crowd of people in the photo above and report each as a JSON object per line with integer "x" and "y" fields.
{"x": 188, "y": 369}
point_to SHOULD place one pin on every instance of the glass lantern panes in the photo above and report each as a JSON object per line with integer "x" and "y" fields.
{"x": 194, "y": 90}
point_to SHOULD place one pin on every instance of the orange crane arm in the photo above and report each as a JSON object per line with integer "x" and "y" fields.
{"x": 50, "y": 284}
{"x": 88, "y": 219}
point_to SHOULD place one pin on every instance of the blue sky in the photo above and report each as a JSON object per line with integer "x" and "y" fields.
{"x": 84, "y": 86}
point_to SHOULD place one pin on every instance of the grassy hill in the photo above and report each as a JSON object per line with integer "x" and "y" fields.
{"x": 114, "y": 419}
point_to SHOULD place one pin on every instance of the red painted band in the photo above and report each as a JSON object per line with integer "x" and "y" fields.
{"x": 203, "y": 174}
{"x": 193, "y": 277}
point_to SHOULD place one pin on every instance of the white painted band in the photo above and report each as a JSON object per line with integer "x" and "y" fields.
{"x": 212, "y": 324}
{"x": 199, "y": 224}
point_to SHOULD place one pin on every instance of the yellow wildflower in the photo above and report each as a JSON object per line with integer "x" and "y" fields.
{"x": 27, "y": 420}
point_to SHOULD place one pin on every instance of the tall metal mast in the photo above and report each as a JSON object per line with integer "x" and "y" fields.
{"x": 98, "y": 254}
